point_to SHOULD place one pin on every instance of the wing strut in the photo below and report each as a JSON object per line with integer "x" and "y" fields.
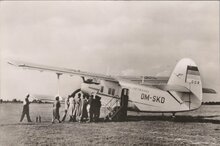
{"x": 58, "y": 83}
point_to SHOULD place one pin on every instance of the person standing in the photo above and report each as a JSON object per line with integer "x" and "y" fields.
{"x": 90, "y": 108}
{"x": 72, "y": 103}
{"x": 97, "y": 106}
{"x": 84, "y": 114}
{"x": 66, "y": 104}
{"x": 78, "y": 107}
{"x": 26, "y": 109}
{"x": 56, "y": 107}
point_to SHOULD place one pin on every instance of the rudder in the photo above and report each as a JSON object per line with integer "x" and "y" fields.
{"x": 186, "y": 74}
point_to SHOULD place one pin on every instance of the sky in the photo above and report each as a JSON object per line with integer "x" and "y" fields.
{"x": 117, "y": 38}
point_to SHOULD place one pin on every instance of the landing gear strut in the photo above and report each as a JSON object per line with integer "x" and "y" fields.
{"x": 173, "y": 116}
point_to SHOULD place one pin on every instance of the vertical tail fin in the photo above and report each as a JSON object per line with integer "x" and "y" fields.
{"x": 186, "y": 74}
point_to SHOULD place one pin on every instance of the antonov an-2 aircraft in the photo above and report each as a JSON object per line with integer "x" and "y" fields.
{"x": 180, "y": 92}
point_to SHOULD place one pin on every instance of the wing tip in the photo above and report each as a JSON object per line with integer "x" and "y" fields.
{"x": 12, "y": 63}
{"x": 15, "y": 63}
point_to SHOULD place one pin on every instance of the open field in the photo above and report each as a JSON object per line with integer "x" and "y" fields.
{"x": 201, "y": 127}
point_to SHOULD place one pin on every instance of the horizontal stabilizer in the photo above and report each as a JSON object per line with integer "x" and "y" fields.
{"x": 208, "y": 90}
{"x": 46, "y": 98}
{"x": 176, "y": 88}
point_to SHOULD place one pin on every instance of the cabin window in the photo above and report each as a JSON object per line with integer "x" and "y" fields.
{"x": 102, "y": 89}
{"x": 109, "y": 90}
{"x": 113, "y": 91}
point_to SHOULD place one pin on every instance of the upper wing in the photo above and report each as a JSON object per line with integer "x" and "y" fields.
{"x": 62, "y": 70}
{"x": 159, "y": 82}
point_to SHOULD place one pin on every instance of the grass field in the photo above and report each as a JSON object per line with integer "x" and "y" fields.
{"x": 201, "y": 127}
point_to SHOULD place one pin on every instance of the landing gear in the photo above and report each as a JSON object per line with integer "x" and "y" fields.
{"x": 173, "y": 116}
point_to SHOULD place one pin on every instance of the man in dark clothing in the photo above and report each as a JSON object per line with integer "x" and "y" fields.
{"x": 97, "y": 106}
{"x": 26, "y": 109}
{"x": 56, "y": 107}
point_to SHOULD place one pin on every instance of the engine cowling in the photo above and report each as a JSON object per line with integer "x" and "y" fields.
{"x": 90, "y": 88}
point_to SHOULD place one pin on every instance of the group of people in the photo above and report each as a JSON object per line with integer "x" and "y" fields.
{"x": 81, "y": 108}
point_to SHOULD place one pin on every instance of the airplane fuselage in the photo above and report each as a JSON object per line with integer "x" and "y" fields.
{"x": 141, "y": 98}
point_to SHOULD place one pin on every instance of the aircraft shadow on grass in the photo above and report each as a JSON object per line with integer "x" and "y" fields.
{"x": 181, "y": 118}
{"x": 131, "y": 118}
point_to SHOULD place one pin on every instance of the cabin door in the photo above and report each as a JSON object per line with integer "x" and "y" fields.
{"x": 124, "y": 103}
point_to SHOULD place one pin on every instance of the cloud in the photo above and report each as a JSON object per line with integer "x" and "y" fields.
{"x": 138, "y": 37}
{"x": 165, "y": 73}
{"x": 130, "y": 72}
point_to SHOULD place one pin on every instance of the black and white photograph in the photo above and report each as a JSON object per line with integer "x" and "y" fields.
{"x": 109, "y": 73}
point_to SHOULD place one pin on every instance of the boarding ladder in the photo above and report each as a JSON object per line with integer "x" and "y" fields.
{"x": 112, "y": 109}
{"x": 117, "y": 109}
